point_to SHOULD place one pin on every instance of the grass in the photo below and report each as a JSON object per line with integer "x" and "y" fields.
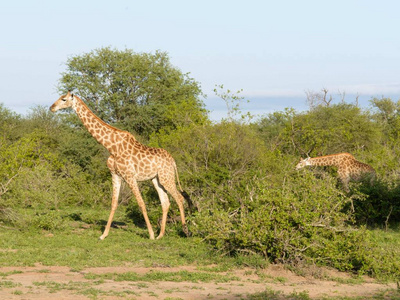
{"x": 386, "y": 247}
{"x": 273, "y": 295}
{"x": 386, "y": 241}
{"x": 85, "y": 250}
{"x": 5, "y": 274}
{"x": 81, "y": 288}
{"x": 7, "y": 284}
{"x": 76, "y": 244}
{"x": 73, "y": 242}
{"x": 165, "y": 276}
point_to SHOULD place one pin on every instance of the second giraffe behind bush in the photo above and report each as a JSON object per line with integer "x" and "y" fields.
{"x": 348, "y": 167}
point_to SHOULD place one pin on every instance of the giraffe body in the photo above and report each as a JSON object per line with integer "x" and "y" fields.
{"x": 130, "y": 161}
{"x": 348, "y": 168}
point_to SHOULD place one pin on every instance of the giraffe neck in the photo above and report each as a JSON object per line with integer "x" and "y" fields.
{"x": 324, "y": 161}
{"x": 100, "y": 130}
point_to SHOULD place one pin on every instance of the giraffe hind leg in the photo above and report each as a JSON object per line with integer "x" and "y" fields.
{"x": 170, "y": 187}
{"x": 135, "y": 189}
{"x": 165, "y": 204}
{"x": 116, "y": 180}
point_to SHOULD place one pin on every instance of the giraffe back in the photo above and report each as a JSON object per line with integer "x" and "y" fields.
{"x": 358, "y": 170}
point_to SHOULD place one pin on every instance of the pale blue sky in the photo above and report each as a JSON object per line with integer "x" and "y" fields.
{"x": 273, "y": 50}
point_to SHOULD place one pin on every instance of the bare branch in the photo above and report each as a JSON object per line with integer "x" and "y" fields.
{"x": 4, "y": 186}
{"x": 315, "y": 99}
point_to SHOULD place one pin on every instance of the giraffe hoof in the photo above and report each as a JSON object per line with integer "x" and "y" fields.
{"x": 186, "y": 231}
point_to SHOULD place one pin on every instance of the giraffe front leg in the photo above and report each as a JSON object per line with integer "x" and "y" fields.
{"x": 345, "y": 183}
{"x": 116, "y": 181}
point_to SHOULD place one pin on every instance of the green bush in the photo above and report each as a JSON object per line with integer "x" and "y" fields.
{"x": 302, "y": 220}
{"x": 48, "y": 220}
{"x": 43, "y": 187}
{"x": 378, "y": 204}
{"x": 250, "y": 199}
{"x": 215, "y": 161}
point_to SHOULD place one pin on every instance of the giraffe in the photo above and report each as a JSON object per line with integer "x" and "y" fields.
{"x": 130, "y": 161}
{"x": 348, "y": 167}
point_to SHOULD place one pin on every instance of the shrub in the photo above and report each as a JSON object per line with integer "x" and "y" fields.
{"x": 215, "y": 160}
{"x": 43, "y": 187}
{"x": 378, "y": 204}
{"x": 302, "y": 220}
{"x": 48, "y": 220}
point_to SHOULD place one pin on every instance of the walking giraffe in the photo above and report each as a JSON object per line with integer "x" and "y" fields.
{"x": 131, "y": 161}
{"x": 348, "y": 167}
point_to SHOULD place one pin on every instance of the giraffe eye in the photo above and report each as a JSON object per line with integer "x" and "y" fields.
{"x": 64, "y": 99}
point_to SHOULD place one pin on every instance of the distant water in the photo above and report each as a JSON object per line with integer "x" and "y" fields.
{"x": 259, "y": 106}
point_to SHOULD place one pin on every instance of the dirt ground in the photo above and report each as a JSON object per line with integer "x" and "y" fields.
{"x": 43, "y": 282}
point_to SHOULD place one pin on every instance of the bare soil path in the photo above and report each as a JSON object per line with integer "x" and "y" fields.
{"x": 43, "y": 282}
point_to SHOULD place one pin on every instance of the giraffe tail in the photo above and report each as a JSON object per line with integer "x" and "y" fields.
{"x": 183, "y": 193}
{"x": 177, "y": 176}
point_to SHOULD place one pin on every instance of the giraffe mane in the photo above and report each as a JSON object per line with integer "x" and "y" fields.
{"x": 95, "y": 116}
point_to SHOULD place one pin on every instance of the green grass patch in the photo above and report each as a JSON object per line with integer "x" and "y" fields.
{"x": 83, "y": 288}
{"x": 76, "y": 244}
{"x": 178, "y": 276}
{"x": 384, "y": 255}
{"x": 5, "y": 274}
{"x": 277, "y": 295}
{"x": 82, "y": 250}
{"x": 17, "y": 292}
{"x": 8, "y": 284}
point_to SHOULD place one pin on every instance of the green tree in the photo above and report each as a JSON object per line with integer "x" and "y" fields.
{"x": 272, "y": 129}
{"x": 139, "y": 92}
{"x": 323, "y": 130}
{"x": 387, "y": 113}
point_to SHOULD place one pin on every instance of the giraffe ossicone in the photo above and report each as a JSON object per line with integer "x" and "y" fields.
{"x": 130, "y": 161}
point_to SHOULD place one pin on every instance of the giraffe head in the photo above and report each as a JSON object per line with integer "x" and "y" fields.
{"x": 63, "y": 102}
{"x": 303, "y": 163}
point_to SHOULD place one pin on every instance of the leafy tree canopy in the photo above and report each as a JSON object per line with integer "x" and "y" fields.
{"x": 140, "y": 92}
{"x": 323, "y": 130}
